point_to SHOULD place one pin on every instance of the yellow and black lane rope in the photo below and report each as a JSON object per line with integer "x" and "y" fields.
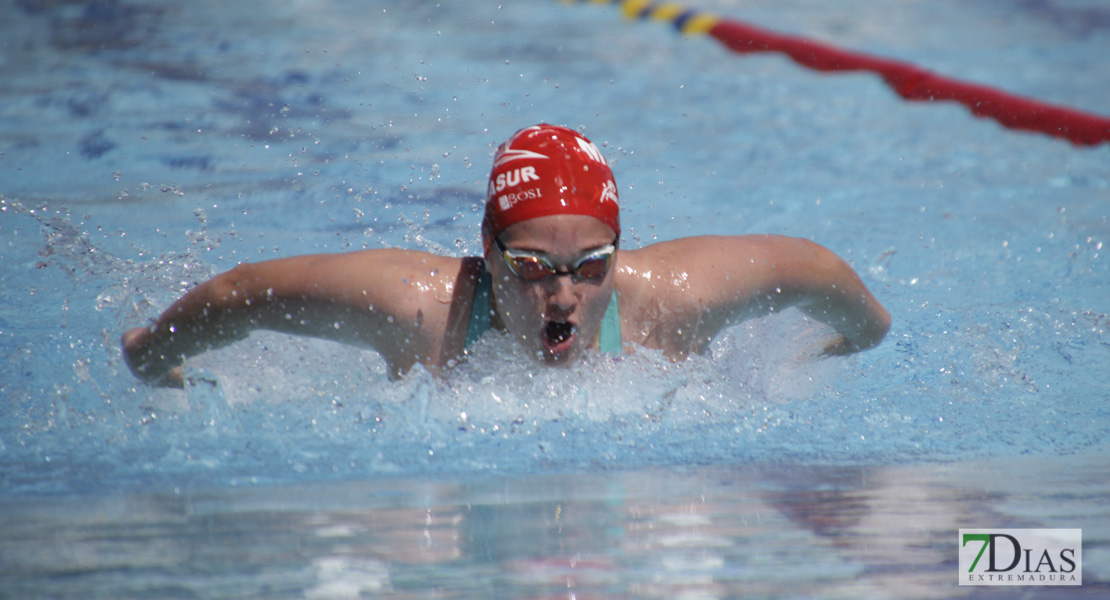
{"x": 685, "y": 20}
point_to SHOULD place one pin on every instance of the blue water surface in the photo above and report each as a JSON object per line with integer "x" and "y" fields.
{"x": 147, "y": 146}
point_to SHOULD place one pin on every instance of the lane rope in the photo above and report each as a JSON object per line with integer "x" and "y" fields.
{"x": 907, "y": 80}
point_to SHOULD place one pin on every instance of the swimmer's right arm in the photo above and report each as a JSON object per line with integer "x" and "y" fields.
{"x": 373, "y": 298}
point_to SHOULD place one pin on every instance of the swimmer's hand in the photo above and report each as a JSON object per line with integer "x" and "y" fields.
{"x": 151, "y": 373}
{"x": 825, "y": 346}
{"x": 838, "y": 346}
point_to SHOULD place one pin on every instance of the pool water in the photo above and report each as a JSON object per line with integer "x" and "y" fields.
{"x": 147, "y": 146}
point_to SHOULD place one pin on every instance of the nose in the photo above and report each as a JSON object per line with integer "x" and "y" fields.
{"x": 560, "y": 294}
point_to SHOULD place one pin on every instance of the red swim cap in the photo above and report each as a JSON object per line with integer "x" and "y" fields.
{"x": 548, "y": 170}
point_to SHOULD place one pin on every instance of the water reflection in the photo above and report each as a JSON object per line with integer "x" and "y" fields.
{"x": 766, "y": 531}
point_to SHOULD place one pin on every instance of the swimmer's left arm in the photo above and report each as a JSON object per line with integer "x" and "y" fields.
{"x": 734, "y": 278}
{"x": 842, "y": 301}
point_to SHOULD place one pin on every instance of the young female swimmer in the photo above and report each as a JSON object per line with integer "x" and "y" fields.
{"x": 552, "y": 277}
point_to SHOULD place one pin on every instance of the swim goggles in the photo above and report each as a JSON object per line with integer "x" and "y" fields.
{"x": 534, "y": 266}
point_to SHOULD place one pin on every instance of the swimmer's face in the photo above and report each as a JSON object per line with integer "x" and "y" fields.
{"x": 558, "y": 316}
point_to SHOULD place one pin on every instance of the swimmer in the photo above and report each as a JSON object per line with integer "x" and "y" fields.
{"x": 553, "y": 277}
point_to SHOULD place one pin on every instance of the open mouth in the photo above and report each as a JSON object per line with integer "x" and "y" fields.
{"x": 558, "y": 336}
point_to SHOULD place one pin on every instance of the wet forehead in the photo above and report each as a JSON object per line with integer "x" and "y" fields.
{"x": 565, "y": 236}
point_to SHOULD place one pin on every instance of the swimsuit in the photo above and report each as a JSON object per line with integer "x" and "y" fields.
{"x": 609, "y": 338}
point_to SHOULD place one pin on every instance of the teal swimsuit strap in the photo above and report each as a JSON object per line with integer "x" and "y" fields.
{"x": 480, "y": 309}
{"x": 609, "y": 338}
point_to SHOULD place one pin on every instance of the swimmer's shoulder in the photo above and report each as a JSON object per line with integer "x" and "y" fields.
{"x": 653, "y": 288}
{"x": 430, "y": 298}
{"x": 442, "y": 293}
{"x": 420, "y": 288}
{"x": 665, "y": 263}
{"x": 687, "y": 274}
{"x": 399, "y": 268}
{"x": 696, "y": 256}
{"x": 652, "y": 281}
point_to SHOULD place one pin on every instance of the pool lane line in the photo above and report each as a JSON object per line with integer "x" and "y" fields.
{"x": 907, "y": 80}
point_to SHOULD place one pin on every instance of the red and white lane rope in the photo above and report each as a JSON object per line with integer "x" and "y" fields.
{"x": 909, "y": 81}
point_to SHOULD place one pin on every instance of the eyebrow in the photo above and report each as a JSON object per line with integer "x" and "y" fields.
{"x": 612, "y": 243}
